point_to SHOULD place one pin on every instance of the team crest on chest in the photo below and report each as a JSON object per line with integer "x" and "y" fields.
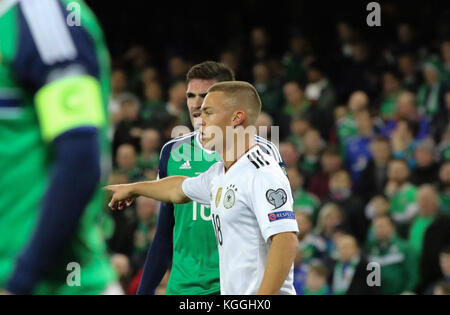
{"x": 218, "y": 195}
{"x": 229, "y": 199}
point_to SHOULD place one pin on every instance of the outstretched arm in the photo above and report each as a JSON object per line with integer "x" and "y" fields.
{"x": 168, "y": 189}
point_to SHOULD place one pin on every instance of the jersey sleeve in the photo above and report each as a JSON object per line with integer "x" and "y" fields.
{"x": 271, "y": 201}
{"x": 58, "y": 63}
{"x": 199, "y": 188}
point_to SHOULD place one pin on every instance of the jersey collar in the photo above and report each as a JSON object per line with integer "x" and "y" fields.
{"x": 238, "y": 159}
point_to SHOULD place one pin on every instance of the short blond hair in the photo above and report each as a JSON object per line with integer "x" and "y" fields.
{"x": 243, "y": 94}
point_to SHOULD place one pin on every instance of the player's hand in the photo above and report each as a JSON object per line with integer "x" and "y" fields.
{"x": 122, "y": 196}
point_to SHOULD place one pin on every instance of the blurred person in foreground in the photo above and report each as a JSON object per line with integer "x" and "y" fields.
{"x": 397, "y": 260}
{"x": 256, "y": 210}
{"x": 195, "y": 265}
{"x": 53, "y": 124}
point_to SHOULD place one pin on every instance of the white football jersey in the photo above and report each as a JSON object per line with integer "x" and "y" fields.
{"x": 250, "y": 202}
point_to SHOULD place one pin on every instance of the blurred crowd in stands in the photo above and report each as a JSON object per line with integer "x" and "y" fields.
{"x": 366, "y": 142}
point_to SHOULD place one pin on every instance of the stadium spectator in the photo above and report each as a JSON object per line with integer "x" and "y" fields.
{"x": 296, "y": 59}
{"x": 127, "y": 162}
{"x": 148, "y": 159}
{"x": 444, "y": 188}
{"x": 426, "y": 171}
{"x": 402, "y": 195}
{"x": 391, "y": 90}
{"x": 298, "y": 127}
{"x": 310, "y": 159}
{"x": 269, "y": 90}
{"x": 176, "y": 104}
{"x": 399, "y": 264}
{"x": 349, "y": 273}
{"x": 411, "y": 77}
{"x": 289, "y": 154}
{"x": 130, "y": 127}
{"x": 303, "y": 200}
{"x": 403, "y": 141}
{"x": 330, "y": 163}
{"x": 320, "y": 93}
{"x": 153, "y": 105}
{"x": 406, "y": 109}
{"x": 444, "y": 263}
{"x": 345, "y": 123}
{"x": 147, "y": 210}
{"x": 431, "y": 94}
{"x": 351, "y": 205}
{"x": 316, "y": 280}
{"x": 330, "y": 217}
{"x": 358, "y": 152}
{"x": 428, "y": 235}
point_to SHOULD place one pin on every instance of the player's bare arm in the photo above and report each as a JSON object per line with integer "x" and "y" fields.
{"x": 279, "y": 261}
{"x": 167, "y": 190}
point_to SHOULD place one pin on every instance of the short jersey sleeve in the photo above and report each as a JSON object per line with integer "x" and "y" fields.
{"x": 199, "y": 188}
{"x": 270, "y": 199}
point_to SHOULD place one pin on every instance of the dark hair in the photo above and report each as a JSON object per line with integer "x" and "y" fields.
{"x": 385, "y": 216}
{"x": 381, "y": 138}
{"x": 210, "y": 70}
{"x": 411, "y": 125}
{"x": 331, "y": 150}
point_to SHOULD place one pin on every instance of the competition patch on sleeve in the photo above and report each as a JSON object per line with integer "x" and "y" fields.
{"x": 276, "y": 198}
{"x": 275, "y": 216}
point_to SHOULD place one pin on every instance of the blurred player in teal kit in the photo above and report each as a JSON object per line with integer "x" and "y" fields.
{"x": 54, "y": 86}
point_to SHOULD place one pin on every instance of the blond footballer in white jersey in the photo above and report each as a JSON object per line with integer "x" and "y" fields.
{"x": 250, "y": 202}
{"x": 248, "y": 193}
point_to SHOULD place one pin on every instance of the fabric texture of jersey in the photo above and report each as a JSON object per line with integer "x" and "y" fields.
{"x": 250, "y": 202}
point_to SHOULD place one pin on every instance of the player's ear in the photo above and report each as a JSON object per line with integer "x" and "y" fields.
{"x": 238, "y": 119}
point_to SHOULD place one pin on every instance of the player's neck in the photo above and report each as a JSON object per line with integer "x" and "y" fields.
{"x": 237, "y": 149}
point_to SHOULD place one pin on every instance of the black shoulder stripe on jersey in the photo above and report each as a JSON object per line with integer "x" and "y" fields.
{"x": 262, "y": 157}
{"x": 253, "y": 162}
{"x": 255, "y": 157}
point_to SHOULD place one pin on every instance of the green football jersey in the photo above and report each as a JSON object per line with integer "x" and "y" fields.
{"x": 195, "y": 260}
{"x": 25, "y": 158}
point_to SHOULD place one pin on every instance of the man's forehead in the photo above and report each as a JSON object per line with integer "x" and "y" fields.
{"x": 212, "y": 99}
{"x": 200, "y": 85}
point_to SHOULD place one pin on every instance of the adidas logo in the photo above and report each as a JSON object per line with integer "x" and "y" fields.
{"x": 185, "y": 166}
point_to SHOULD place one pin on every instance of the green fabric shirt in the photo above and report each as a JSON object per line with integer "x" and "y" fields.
{"x": 399, "y": 265}
{"x": 146, "y": 164}
{"x": 445, "y": 203}
{"x": 195, "y": 262}
{"x": 324, "y": 290}
{"x": 403, "y": 204}
{"x": 306, "y": 202}
{"x": 346, "y": 129}
{"x": 388, "y": 106}
{"x": 417, "y": 233}
{"x": 26, "y": 165}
